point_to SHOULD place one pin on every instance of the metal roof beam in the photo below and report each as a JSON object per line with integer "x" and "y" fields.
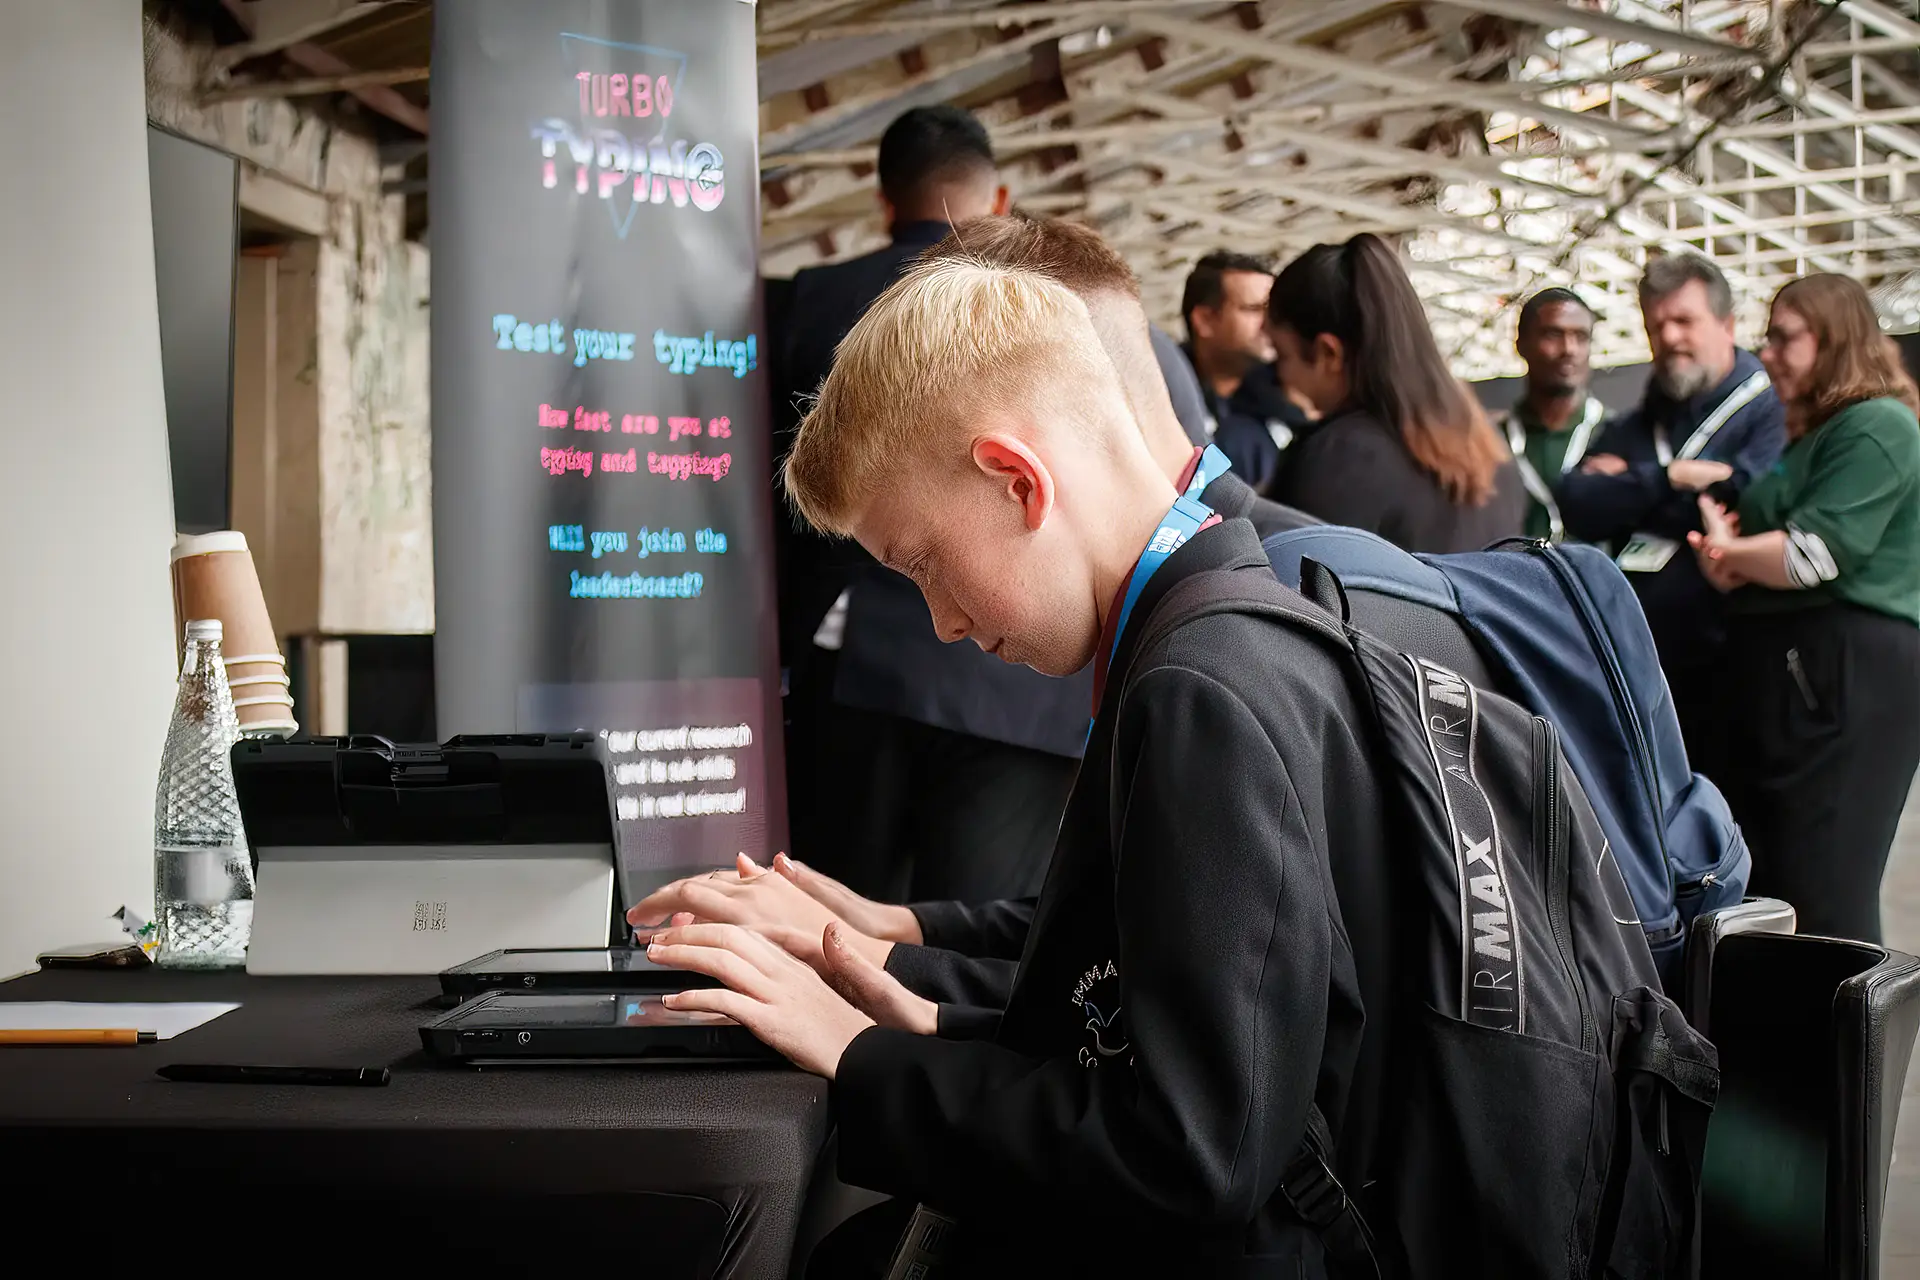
{"x": 1760, "y": 154}
{"x": 1840, "y": 249}
{"x": 1473, "y": 94}
{"x": 313, "y": 85}
{"x": 385, "y": 99}
{"x": 1823, "y": 122}
{"x": 278, "y": 24}
{"x": 781, "y": 17}
{"x": 1880, "y": 127}
{"x": 1099, "y": 108}
{"x": 1858, "y": 48}
{"x": 1882, "y": 19}
{"x": 1900, "y": 90}
{"x": 1786, "y": 222}
{"x": 997, "y": 16}
{"x": 928, "y": 85}
{"x": 1782, "y": 182}
{"x": 1380, "y": 211}
{"x": 796, "y": 68}
{"x": 1738, "y": 219}
{"x": 1555, "y": 16}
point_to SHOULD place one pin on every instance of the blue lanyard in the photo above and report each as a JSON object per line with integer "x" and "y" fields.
{"x": 1213, "y": 465}
{"x": 1182, "y": 521}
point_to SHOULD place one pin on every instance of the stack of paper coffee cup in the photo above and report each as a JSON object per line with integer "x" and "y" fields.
{"x": 214, "y": 577}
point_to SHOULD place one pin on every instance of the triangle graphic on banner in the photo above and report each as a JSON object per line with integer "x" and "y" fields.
{"x": 583, "y": 52}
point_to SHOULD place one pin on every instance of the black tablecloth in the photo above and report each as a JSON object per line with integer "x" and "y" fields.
{"x": 685, "y": 1170}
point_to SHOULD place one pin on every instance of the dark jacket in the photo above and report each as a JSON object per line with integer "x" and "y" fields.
{"x": 1352, "y": 469}
{"x": 1255, "y": 425}
{"x": 1684, "y": 613}
{"x": 969, "y": 950}
{"x": 1186, "y": 988}
{"x": 806, "y": 319}
{"x": 1235, "y": 499}
{"x": 1183, "y": 386}
{"x": 891, "y": 659}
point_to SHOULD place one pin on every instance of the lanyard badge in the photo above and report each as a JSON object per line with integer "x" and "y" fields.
{"x": 1213, "y": 465}
{"x": 1186, "y": 517}
{"x": 1182, "y": 521}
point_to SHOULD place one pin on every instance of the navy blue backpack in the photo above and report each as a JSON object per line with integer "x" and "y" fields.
{"x": 1558, "y": 630}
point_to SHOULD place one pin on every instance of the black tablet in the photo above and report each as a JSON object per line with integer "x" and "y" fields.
{"x": 606, "y": 1025}
{"x": 567, "y": 969}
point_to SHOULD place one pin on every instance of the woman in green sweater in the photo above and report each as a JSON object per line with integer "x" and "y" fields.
{"x": 1822, "y": 680}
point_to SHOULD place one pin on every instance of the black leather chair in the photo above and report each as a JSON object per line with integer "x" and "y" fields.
{"x": 1704, "y": 935}
{"x": 1814, "y": 1037}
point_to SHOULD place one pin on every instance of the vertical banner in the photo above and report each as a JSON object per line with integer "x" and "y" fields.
{"x": 603, "y": 554}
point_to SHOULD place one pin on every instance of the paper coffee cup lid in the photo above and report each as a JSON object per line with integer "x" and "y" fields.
{"x": 200, "y": 544}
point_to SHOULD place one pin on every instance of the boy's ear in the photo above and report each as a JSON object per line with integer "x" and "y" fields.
{"x": 1002, "y": 201}
{"x": 1024, "y": 478}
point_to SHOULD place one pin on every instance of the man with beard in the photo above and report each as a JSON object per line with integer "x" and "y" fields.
{"x": 1225, "y": 307}
{"x": 1710, "y": 423}
{"x": 1556, "y": 420}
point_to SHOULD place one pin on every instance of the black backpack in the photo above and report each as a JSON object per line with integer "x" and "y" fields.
{"x": 1546, "y": 1105}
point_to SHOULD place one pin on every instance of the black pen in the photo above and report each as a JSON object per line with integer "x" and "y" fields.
{"x": 208, "y": 1073}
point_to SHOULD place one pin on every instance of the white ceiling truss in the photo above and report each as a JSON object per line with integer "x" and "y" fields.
{"x": 1507, "y": 145}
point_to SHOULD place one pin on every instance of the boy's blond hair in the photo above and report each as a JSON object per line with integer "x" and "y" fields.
{"x": 949, "y": 339}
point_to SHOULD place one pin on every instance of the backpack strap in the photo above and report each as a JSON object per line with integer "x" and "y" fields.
{"x": 1651, "y": 1035}
{"x": 1322, "y": 586}
{"x": 1225, "y": 591}
{"x": 1308, "y": 1181}
{"x": 1314, "y": 1191}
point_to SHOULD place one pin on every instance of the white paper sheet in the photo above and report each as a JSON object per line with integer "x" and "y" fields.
{"x": 166, "y": 1020}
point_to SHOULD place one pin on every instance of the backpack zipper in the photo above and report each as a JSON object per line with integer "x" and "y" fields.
{"x": 1799, "y": 674}
{"x": 1617, "y": 685}
{"x": 1549, "y": 802}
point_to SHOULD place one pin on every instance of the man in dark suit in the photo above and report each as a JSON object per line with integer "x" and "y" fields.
{"x": 1224, "y": 305}
{"x": 917, "y": 768}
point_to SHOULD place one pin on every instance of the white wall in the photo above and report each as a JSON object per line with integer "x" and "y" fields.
{"x": 371, "y": 480}
{"x": 86, "y": 509}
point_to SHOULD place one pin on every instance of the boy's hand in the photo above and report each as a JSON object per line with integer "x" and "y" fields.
{"x": 872, "y": 990}
{"x": 747, "y": 896}
{"x": 770, "y": 993}
{"x": 875, "y": 919}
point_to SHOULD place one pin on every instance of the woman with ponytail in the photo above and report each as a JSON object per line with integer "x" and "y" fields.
{"x": 1403, "y": 448}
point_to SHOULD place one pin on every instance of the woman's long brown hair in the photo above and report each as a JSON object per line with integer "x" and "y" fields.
{"x": 1853, "y": 360}
{"x": 1359, "y": 293}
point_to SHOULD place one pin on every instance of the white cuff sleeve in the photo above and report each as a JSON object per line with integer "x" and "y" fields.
{"x": 1809, "y": 563}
